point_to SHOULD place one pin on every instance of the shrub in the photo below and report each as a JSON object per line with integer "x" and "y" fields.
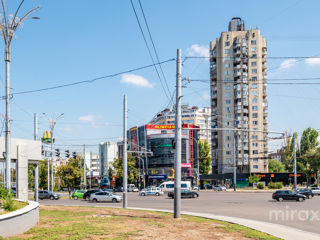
{"x": 260, "y": 186}
{"x": 8, "y": 204}
{"x": 4, "y": 193}
{"x": 314, "y": 185}
{"x": 275, "y": 185}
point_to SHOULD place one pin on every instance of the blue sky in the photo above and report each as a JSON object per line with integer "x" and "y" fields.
{"x": 81, "y": 40}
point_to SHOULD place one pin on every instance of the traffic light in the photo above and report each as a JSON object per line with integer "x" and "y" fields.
{"x": 74, "y": 155}
{"x": 57, "y": 152}
{"x": 67, "y": 153}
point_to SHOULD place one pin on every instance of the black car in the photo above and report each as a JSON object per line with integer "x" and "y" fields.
{"x": 48, "y": 195}
{"x": 185, "y": 193}
{"x": 306, "y": 191}
{"x": 118, "y": 189}
{"x": 288, "y": 195}
{"x": 86, "y": 195}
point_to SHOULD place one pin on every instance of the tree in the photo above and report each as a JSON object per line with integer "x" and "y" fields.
{"x": 287, "y": 155}
{"x": 204, "y": 157}
{"x": 71, "y": 173}
{"x": 253, "y": 178}
{"x": 276, "y": 166}
{"x": 132, "y": 170}
{"x": 43, "y": 174}
{"x": 309, "y": 140}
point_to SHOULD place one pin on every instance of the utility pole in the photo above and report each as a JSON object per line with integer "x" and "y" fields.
{"x": 8, "y": 26}
{"x": 234, "y": 162}
{"x": 295, "y": 162}
{"x": 177, "y": 162}
{"x": 125, "y": 203}
{"x": 52, "y": 123}
{"x": 84, "y": 167}
{"x": 35, "y": 137}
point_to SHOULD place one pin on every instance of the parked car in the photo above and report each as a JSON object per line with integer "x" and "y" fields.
{"x": 104, "y": 197}
{"x": 316, "y": 190}
{"x": 132, "y": 188}
{"x": 219, "y": 188}
{"x": 185, "y": 194}
{"x": 207, "y": 186}
{"x": 306, "y": 191}
{"x": 48, "y": 195}
{"x": 281, "y": 195}
{"x": 110, "y": 190}
{"x": 118, "y": 189}
{"x": 86, "y": 195}
{"x": 78, "y": 194}
{"x": 151, "y": 191}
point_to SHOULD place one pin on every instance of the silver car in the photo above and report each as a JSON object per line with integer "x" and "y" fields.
{"x": 219, "y": 188}
{"x": 315, "y": 190}
{"x": 104, "y": 197}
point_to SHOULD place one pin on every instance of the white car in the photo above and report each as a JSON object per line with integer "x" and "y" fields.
{"x": 104, "y": 197}
{"x": 151, "y": 191}
{"x": 219, "y": 188}
{"x": 315, "y": 190}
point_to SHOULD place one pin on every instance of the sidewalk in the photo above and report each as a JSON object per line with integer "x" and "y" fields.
{"x": 276, "y": 230}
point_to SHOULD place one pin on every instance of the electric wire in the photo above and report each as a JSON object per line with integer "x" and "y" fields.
{"x": 146, "y": 43}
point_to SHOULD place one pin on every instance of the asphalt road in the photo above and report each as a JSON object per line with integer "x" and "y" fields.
{"x": 257, "y": 206}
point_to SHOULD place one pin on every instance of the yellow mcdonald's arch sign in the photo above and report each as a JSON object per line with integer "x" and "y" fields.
{"x": 47, "y": 134}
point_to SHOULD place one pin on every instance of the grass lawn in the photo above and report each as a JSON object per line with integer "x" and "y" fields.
{"x": 58, "y": 222}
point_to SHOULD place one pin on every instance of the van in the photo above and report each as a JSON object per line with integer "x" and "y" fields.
{"x": 169, "y": 186}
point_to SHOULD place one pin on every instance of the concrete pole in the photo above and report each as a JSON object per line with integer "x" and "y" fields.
{"x": 177, "y": 162}
{"x": 8, "y": 133}
{"x": 36, "y": 182}
{"x": 125, "y": 203}
{"x": 234, "y": 162}
{"x": 52, "y": 175}
{"x": 84, "y": 167}
{"x": 35, "y": 127}
{"x": 295, "y": 162}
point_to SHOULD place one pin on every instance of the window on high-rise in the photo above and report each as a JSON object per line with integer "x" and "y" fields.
{"x": 254, "y": 70}
{"x": 254, "y": 93}
{"x": 253, "y": 42}
{"x": 227, "y": 87}
{"x": 254, "y": 78}
{"x": 254, "y": 115}
{"x": 253, "y": 49}
{"x": 254, "y": 151}
{"x": 228, "y": 152}
{"x": 227, "y": 79}
{"x": 228, "y": 109}
{"x": 254, "y": 137}
{"x": 253, "y": 35}
{"x": 227, "y": 65}
{"x": 228, "y": 94}
{"x": 227, "y": 51}
{"x": 227, "y": 73}
{"x": 254, "y": 56}
{"x": 228, "y": 138}
{"x": 255, "y": 108}
{"x": 254, "y": 86}
{"x": 253, "y": 64}
{"x": 226, "y": 44}
{"x": 254, "y": 144}
{"x": 227, "y": 58}
{"x": 254, "y": 122}
{"x": 228, "y": 101}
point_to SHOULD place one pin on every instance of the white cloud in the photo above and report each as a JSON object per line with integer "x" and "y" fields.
{"x": 198, "y": 51}
{"x": 136, "y": 80}
{"x": 205, "y": 96}
{"x": 313, "y": 61}
{"x": 286, "y": 64}
{"x": 88, "y": 118}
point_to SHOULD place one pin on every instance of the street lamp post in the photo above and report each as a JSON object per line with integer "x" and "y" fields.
{"x": 52, "y": 122}
{"x": 8, "y": 26}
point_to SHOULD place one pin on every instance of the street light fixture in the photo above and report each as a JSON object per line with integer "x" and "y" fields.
{"x": 8, "y": 26}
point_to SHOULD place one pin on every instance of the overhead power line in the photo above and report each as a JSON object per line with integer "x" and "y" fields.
{"x": 154, "y": 48}
{"x": 149, "y": 51}
{"x": 89, "y": 81}
{"x": 255, "y": 57}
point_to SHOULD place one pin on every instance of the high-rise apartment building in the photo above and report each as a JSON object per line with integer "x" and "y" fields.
{"x": 238, "y": 87}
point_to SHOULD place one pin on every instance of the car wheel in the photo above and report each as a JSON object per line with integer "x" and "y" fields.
{"x": 75, "y": 197}
{"x": 157, "y": 194}
{"x": 280, "y": 199}
{"x": 309, "y": 196}
{"x": 41, "y": 198}
{"x": 143, "y": 194}
{"x": 51, "y": 197}
{"x": 87, "y": 198}
{"x": 94, "y": 200}
{"x": 194, "y": 195}
{"x": 114, "y": 200}
{"x": 300, "y": 199}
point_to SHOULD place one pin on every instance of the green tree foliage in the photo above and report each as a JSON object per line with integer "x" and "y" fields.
{"x": 71, "y": 173}
{"x": 43, "y": 174}
{"x": 276, "y": 166}
{"x": 132, "y": 170}
{"x": 309, "y": 140}
{"x": 204, "y": 157}
{"x": 287, "y": 155}
{"x": 253, "y": 178}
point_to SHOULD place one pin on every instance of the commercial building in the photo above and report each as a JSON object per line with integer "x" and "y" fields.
{"x": 153, "y": 147}
{"x": 190, "y": 115}
{"x": 108, "y": 151}
{"x": 238, "y": 85}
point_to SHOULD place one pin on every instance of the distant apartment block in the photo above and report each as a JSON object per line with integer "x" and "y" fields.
{"x": 238, "y": 74}
{"x": 108, "y": 151}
